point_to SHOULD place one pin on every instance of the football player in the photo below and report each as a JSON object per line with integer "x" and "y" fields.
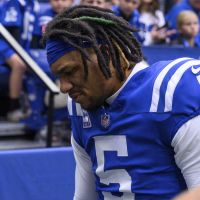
{"x": 128, "y": 9}
{"x": 135, "y": 129}
{"x": 56, "y": 6}
{"x": 193, "y": 194}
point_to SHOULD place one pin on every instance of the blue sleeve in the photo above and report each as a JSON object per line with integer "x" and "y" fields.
{"x": 12, "y": 13}
{"x": 186, "y": 98}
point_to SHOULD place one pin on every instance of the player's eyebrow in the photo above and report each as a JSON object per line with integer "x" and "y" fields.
{"x": 63, "y": 69}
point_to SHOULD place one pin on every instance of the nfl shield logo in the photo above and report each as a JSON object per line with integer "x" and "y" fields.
{"x": 105, "y": 120}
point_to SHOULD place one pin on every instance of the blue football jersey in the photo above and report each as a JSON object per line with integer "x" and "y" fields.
{"x": 133, "y": 21}
{"x": 129, "y": 141}
{"x": 42, "y": 20}
{"x": 22, "y": 14}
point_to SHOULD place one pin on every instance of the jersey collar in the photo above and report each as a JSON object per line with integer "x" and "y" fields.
{"x": 139, "y": 66}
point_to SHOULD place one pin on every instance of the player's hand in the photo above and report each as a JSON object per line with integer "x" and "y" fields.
{"x": 161, "y": 34}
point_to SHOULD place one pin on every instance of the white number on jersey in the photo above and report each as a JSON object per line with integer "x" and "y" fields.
{"x": 120, "y": 176}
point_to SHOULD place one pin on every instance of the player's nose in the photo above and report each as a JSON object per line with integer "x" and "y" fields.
{"x": 65, "y": 86}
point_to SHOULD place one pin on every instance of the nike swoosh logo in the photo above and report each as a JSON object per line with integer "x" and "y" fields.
{"x": 195, "y": 70}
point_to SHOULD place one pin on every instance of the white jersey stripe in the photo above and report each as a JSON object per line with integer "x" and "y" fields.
{"x": 173, "y": 82}
{"x": 138, "y": 67}
{"x": 158, "y": 83}
{"x": 69, "y": 105}
{"x": 79, "y": 111}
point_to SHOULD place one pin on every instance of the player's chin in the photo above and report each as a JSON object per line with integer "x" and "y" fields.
{"x": 83, "y": 101}
{"x": 87, "y": 102}
{"x": 88, "y": 105}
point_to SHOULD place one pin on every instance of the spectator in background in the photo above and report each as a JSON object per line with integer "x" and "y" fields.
{"x": 98, "y": 3}
{"x": 18, "y": 17}
{"x": 150, "y": 13}
{"x": 154, "y": 23}
{"x": 193, "y": 5}
{"x": 128, "y": 9}
{"x": 168, "y": 4}
{"x": 37, "y": 120}
{"x": 44, "y": 18}
{"x": 152, "y": 18}
{"x": 109, "y": 4}
{"x": 115, "y": 2}
{"x": 18, "y": 67}
{"x": 188, "y": 29}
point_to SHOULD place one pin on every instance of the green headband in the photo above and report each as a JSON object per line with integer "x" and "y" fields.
{"x": 97, "y": 19}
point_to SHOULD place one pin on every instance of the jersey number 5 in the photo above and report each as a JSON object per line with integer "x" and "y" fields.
{"x": 120, "y": 176}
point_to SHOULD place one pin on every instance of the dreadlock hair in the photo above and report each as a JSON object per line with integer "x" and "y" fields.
{"x": 91, "y": 24}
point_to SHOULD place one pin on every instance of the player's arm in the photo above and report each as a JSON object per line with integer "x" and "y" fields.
{"x": 84, "y": 177}
{"x": 186, "y": 145}
{"x": 193, "y": 194}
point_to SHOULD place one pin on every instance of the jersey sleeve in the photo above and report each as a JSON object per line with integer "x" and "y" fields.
{"x": 182, "y": 97}
{"x": 84, "y": 177}
{"x": 186, "y": 144}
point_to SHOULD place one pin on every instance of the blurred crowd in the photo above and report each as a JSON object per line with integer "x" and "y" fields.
{"x": 170, "y": 22}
